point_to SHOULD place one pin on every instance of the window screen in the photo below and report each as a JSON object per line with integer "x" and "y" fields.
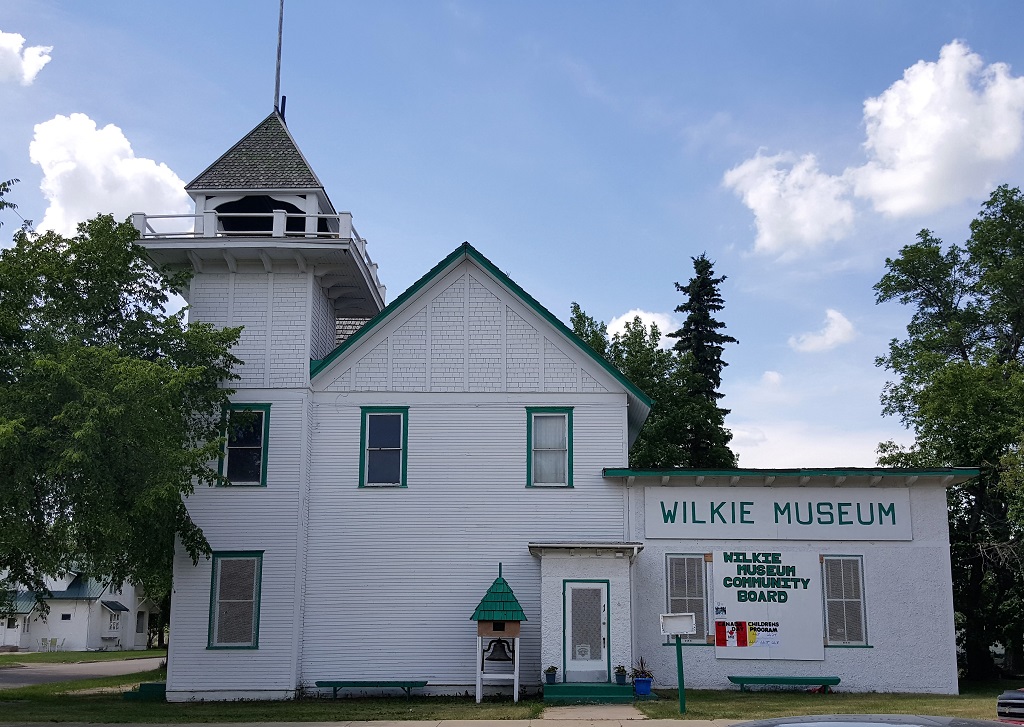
{"x": 844, "y": 600}
{"x": 384, "y": 449}
{"x": 236, "y": 600}
{"x": 687, "y": 590}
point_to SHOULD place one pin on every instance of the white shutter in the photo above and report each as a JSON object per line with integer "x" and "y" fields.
{"x": 844, "y": 600}
{"x": 687, "y": 590}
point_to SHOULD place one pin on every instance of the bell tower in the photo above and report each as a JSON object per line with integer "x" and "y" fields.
{"x": 269, "y": 252}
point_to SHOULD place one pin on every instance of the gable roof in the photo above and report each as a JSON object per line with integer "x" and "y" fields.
{"x": 265, "y": 158}
{"x": 499, "y": 603}
{"x": 639, "y": 403}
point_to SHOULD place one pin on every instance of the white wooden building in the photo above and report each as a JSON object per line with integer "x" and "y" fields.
{"x": 84, "y": 615}
{"x": 376, "y": 484}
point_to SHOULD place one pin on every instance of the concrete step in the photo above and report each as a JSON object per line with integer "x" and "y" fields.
{"x": 588, "y": 693}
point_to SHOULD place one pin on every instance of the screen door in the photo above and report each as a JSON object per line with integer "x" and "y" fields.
{"x": 586, "y": 632}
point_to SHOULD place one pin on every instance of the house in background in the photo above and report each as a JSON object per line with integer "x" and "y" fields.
{"x": 377, "y": 481}
{"x": 84, "y": 615}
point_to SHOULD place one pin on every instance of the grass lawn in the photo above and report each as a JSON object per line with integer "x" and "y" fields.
{"x": 53, "y": 703}
{"x": 75, "y": 657}
{"x": 975, "y": 701}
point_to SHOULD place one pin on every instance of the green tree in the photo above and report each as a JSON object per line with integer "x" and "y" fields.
{"x": 700, "y": 343}
{"x": 109, "y": 410}
{"x": 960, "y": 389}
{"x": 659, "y": 373}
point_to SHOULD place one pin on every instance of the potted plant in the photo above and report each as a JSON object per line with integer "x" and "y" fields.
{"x": 642, "y": 678}
{"x": 620, "y": 674}
{"x": 549, "y": 674}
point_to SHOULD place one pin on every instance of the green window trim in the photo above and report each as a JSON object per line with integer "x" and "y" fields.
{"x": 364, "y": 418}
{"x": 225, "y": 454}
{"x": 531, "y": 412}
{"x": 217, "y": 558}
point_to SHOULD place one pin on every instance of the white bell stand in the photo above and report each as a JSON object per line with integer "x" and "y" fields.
{"x": 483, "y": 678}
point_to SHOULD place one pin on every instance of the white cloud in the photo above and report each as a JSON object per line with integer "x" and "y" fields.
{"x": 944, "y": 133}
{"x": 796, "y": 206}
{"x": 88, "y": 171}
{"x": 21, "y": 66}
{"x": 666, "y": 324}
{"x": 787, "y": 443}
{"x": 836, "y": 331}
{"x": 941, "y": 134}
{"x": 771, "y": 379}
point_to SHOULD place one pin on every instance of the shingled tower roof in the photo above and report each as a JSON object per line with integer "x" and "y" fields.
{"x": 499, "y": 603}
{"x": 266, "y": 158}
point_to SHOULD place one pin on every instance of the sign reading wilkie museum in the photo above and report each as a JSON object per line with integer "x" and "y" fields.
{"x": 785, "y": 513}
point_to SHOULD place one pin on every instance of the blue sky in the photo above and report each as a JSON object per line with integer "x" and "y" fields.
{"x": 589, "y": 149}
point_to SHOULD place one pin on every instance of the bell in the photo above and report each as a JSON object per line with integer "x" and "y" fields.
{"x": 498, "y": 649}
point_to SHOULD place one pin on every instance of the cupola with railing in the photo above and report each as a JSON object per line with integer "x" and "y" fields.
{"x": 263, "y": 224}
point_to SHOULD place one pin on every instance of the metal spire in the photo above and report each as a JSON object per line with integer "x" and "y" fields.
{"x": 277, "y": 75}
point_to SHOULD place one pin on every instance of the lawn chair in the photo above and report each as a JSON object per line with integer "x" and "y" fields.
{"x": 53, "y": 644}
{"x": 44, "y": 644}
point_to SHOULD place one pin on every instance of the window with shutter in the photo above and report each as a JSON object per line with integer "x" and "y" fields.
{"x": 549, "y": 447}
{"x": 687, "y": 590}
{"x": 384, "y": 437}
{"x": 247, "y": 431}
{"x": 844, "y": 600}
{"x": 235, "y": 600}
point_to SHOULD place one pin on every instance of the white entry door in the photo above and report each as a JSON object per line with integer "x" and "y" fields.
{"x": 586, "y": 632}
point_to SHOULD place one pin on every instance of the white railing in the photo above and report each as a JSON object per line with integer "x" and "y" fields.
{"x": 204, "y": 225}
{"x": 246, "y": 224}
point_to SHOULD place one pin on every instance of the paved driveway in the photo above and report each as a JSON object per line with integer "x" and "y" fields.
{"x": 23, "y": 676}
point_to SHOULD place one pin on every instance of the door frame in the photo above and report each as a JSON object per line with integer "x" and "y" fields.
{"x": 607, "y": 622}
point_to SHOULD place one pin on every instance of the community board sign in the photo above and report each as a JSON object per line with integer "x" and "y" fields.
{"x": 767, "y": 605}
{"x": 786, "y": 513}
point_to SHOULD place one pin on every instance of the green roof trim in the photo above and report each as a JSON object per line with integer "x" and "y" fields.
{"x": 464, "y": 251}
{"x": 499, "y": 603}
{"x": 966, "y": 472}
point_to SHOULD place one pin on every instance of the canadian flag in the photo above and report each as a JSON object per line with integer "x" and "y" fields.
{"x": 730, "y": 633}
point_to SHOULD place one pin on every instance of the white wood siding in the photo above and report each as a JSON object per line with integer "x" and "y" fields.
{"x": 465, "y": 333}
{"x": 246, "y": 519}
{"x": 323, "y": 333}
{"x": 276, "y": 312}
{"x": 395, "y": 573}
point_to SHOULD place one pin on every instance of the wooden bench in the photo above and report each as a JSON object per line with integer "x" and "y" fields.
{"x": 826, "y": 683}
{"x": 406, "y": 685}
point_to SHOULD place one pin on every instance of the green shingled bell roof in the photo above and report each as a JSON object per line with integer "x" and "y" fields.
{"x": 499, "y": 603}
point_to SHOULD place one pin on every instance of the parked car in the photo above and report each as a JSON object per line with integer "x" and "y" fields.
{"x": 1010, "y": 706}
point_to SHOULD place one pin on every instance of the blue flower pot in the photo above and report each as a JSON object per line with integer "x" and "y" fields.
{"x": 642, "y": 686}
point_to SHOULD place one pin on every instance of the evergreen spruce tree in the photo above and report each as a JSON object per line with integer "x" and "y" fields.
{"x": 701, "y": 343}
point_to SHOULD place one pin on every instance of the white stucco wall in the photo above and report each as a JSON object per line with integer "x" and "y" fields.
{"x": 562, "y": 565}
{"x": 908, "y": 602}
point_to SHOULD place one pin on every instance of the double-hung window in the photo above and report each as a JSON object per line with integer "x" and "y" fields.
{"x": 235, "y": 600}
{"x": 247, "y": 430}
{"x": 384, "y": 441}
{"x": 549, "y": 446}
{"x": 843, "y": 579}
{"x": 687, "y": 590}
